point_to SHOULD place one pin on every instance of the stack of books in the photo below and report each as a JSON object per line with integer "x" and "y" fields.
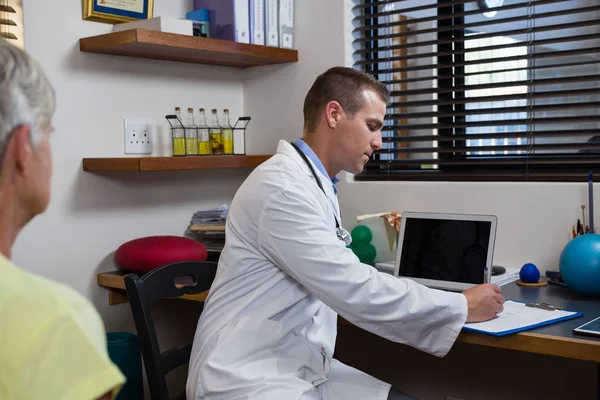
{"x": 208, "y": 227}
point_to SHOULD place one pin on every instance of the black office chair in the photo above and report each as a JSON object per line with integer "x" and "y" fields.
{"x": 160, "y": 284}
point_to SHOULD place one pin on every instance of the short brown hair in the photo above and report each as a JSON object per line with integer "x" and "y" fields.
{"x": 344, "y": 85}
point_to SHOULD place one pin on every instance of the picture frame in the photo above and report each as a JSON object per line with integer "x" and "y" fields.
{"x": 117, "y": 11}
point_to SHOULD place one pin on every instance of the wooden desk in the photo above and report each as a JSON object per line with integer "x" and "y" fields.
{"x": 554, "y": 340}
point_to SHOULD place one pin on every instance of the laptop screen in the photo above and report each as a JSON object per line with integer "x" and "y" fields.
{"x": 453, "y": 250}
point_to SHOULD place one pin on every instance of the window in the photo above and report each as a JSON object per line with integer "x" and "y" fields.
{"x": 478, "y": 74}
{"x": 509, "y": 95}
{"x": 11, "y": 21}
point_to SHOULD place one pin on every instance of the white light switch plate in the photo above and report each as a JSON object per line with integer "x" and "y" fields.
{"x": 138, "y": 136}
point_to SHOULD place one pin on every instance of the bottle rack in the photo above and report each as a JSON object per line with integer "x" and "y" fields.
{"x": 239, "y": 134}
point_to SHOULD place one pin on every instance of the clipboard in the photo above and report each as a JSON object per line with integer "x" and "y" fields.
{"x": 519, "y": 316}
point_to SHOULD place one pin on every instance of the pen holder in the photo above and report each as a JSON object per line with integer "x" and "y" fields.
{"x": 579, "y": 264}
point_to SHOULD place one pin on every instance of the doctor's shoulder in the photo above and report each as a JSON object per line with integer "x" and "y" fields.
{"x": 278, "y": 177}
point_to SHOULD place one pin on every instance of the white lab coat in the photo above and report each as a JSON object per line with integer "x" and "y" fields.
{"x": 268, "y": 327}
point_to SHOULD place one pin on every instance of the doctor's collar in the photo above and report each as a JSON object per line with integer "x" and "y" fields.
{"x": 313, "y": 157}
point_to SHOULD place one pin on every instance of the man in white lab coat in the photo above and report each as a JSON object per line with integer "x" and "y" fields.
{"x": 268, "y": 328}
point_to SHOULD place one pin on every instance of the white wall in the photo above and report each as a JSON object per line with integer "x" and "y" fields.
{"x": 90, "y": 215}
{"x": 273, "y": 95}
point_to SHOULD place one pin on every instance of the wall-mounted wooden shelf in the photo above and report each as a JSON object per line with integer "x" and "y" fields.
{"x": 170, "y": 46}
{"x": 143, "y": 164}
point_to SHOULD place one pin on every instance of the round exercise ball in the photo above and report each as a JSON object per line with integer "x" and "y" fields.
{"x": 579, "y": 264}
{"x": 529, "y": 273}
{"x": 361, "y": 235}
{"x": 366, "y": 253}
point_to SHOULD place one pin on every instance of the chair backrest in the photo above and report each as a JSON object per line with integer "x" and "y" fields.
{"x": 160, "y": 284}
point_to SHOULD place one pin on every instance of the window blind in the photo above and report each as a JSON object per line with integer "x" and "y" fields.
{"x": 510, "y": 92}
{"x": 8, "y": 21}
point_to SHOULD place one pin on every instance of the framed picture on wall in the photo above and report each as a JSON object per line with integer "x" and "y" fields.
{"x": 11, "y": 22}
{"x": 117, "y": 11}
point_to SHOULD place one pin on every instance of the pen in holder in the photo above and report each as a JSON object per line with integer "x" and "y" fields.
{"x": 239, "y": 135}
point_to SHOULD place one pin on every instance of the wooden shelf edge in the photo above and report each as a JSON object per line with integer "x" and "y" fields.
{"x": 111, "y": 164}
{"x": 146, "y": 164}
{"x": 200, "y": 162}
{"x": 538, "y": 343}
{"x": 98, "y": 43}
{"x": 175, "y": 47}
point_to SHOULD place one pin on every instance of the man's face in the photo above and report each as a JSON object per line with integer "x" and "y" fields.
{"x": 360, "y": 135}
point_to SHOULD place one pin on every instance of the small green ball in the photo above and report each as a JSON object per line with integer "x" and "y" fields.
{"x": 366, "y": 253}
{"x": 361, "y": 234}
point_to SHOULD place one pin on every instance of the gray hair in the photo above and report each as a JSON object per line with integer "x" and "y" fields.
{"x": 26, "y": 95}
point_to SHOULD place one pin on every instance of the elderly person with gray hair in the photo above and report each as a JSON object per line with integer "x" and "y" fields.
{"x": 52, "y": 340}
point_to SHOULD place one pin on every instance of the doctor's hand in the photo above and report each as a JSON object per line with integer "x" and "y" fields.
{"x": 484, "y": 302}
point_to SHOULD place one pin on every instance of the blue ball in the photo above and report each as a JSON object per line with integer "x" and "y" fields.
{"x": 580, "y": 264}
{"x": 529, "y": 273}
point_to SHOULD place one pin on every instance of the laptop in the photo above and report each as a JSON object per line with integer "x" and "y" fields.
{"x": 446, "y": 251}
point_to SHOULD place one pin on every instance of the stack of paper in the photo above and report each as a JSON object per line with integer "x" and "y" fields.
{"x": 518, "y": 316}
{"x": 511, "y": 275}
{"x": 212, "y": 217}
{"x": 208, "y": 227}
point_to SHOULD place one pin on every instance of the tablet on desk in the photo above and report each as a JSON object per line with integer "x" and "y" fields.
{"x": 591, "y": 328}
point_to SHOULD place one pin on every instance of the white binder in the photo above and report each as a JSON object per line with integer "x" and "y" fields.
{"x": 242, "y": 21}
{"x": 272, "y": 23}
{"x": 286, "y": 24}
{"x": 257, "y": 22}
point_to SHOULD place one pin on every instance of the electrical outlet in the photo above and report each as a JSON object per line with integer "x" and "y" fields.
{"x": 138, "y": 136}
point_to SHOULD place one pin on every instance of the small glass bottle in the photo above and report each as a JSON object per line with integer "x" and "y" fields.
{"x": 216, "y": 139}
{"x": 178, "y": 135}
{"x": 191, "y": 135}
{"x": 203, "y": 135}
{"x": 227, "y": 133}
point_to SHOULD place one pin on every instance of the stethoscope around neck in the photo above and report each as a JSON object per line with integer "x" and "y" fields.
{"x": 341, "y": 233}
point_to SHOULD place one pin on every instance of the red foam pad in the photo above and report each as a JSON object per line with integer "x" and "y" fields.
{"x": 144, "y": 254}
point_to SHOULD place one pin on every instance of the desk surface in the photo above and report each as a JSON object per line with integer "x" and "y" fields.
{"x": 556, "y": 340}
{"x": 560, "y": 297}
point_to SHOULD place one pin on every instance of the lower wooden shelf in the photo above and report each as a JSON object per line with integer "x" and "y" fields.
{"x": 143, "y": 164}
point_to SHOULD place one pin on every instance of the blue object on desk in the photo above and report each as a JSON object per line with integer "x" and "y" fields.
{"x": 529, "y": 273}
{"x": 579, "y": 264}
